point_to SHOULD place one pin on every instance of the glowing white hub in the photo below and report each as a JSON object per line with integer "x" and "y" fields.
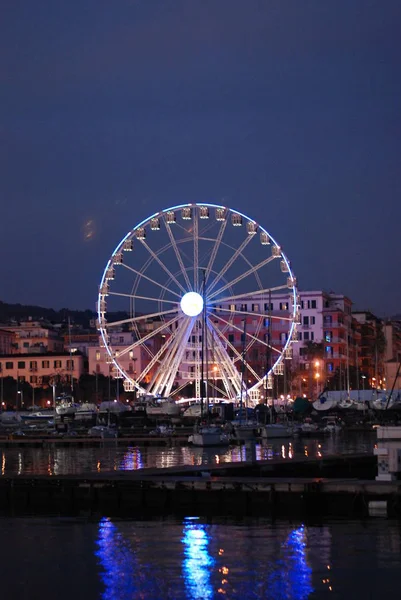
{"x": 192, "y": 304}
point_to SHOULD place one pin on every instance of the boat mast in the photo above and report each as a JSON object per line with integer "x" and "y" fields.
{"x": 204, "y": 335}
{"x": 242, "y": 372}
{"x": 347, "y": 340}
{"x": 202, "y": 345}
{"x": 71, "y": 366}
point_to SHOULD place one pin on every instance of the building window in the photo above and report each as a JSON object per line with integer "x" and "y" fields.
{"x": 328, "y": 336}
{"x": 330, "y": 367}
{"x": 97, "y": 355}
{"x": 283, "y": 337}
{"x": 33, "y": 379}
{"x": 21, "y": 378}
{"x": 305, "y": 320}
{"x": 313, "y": 303}
{"x": 231, "y": 338}
{"x": 121, "y": 339}
{"x": 9, "y": 365}
{"x": 269, "y": 306}
{"x": 255, "y": 307}
{"x": 312, "y": 335}
{"x": 244, "y": 307}
{"x": 299, "y": 335}
{"x": 313, "y": 320}
{"x": 283, "y": 305}
{"x": 306, "y": 335}
{"x": 302, "y": 304}
{"x": 57, "y": 364}
{"x": 232, "y": 307}
{"x": 45, "y": 364}
{"x": 266, "y": 322}
{"x": 26, "y": 344}
{"x": 70, "y": 364}
{"x": 21, "y": 364}
{"x": 33, "y": 365}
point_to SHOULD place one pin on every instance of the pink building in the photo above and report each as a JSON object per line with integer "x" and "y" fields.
{"x": 38, "y": 370}
{"x": 6, "y": 341}
{"x": 35, "y": 337}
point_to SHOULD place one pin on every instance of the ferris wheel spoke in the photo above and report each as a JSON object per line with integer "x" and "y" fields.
{"x": 142, "y": 317}
{"x": 255, "y": 315}
{"x": 148, "y": 336}
{"x": 151, "y": 280}
{"x": 177, "y": 254}
{"x": 230, "y": 262}
{"x": 230, "y": 324}
{"x": 134, "y": 296}
{"x": 215, "y": 249}
{"x": 247, "y": 294}
{"x": 163, "y": 266}
{"x": 251, "y": 271}
{"x": 237, "y": 354}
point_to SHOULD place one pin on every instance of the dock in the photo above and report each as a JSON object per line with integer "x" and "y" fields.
{"x": 266, "y": 489}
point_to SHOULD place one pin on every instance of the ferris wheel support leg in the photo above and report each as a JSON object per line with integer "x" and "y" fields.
{"x": 158, "y": 382}
{"x": 158, "y": 354}
{"x": 178, "y": 357}
{"x": 228, "y": 370}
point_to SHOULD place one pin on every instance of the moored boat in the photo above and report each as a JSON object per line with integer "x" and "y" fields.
{"x": 209, "y": 435}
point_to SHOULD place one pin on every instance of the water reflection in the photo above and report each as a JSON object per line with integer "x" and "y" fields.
{"x": 63, "y": 460}
{"x": 198, "y": 562}
{"x": 117, "y": 561}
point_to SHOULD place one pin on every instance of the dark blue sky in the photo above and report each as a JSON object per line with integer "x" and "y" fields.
{"x": 286, "y": 110}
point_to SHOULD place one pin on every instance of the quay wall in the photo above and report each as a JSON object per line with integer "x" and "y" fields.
{"x": 185, "y": 496}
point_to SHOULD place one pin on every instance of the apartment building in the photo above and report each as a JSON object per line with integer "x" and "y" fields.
{"x": 39, "y": 370}
{"x": 35, "y": 337}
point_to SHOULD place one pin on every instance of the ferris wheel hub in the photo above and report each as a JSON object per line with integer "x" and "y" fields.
{"x": 191, "y": 304}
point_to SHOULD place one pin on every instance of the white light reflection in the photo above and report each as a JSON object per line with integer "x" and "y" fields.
{"x": 197, "y": 563}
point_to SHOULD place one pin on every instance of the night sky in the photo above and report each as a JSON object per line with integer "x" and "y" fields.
{"x": 288, "y": 110}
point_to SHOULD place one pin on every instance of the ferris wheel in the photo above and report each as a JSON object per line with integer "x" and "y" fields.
{"x": 193, "y": 286}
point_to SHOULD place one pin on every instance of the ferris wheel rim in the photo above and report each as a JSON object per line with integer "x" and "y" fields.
{"x": 143, "y": 223}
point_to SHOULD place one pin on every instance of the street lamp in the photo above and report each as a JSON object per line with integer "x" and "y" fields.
{"x": 20, "y": 392}
{"x": 363, "y": 377}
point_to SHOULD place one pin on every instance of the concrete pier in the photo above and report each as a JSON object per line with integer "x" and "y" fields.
{"x": 248, "y": 489}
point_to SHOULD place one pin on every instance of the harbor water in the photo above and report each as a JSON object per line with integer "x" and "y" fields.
{"x": 199, "y": 560}
{"x": 59, "y": 460}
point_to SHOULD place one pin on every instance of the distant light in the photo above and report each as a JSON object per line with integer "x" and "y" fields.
{"x": 192, "y": 304}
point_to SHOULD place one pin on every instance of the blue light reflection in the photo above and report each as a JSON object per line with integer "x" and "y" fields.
{"x": 118, "y": 563}
{"x": 293, "y": 578}
{"x": 197, "y": 563}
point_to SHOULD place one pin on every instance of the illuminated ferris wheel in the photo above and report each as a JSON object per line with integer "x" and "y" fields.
{"x": 193, "y": 286}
